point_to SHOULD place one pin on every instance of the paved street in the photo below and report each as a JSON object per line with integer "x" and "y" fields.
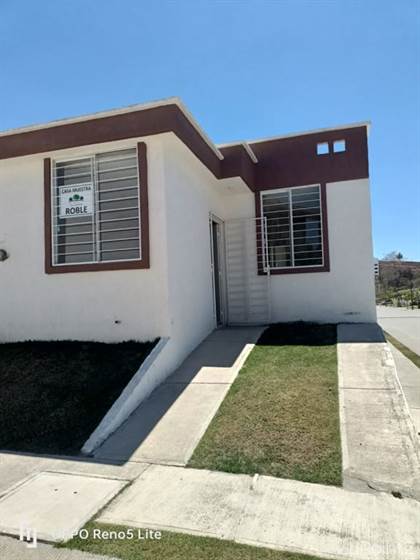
{"x": 403, "y": 324}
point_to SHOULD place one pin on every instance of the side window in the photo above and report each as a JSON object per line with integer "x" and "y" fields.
{"x": 294, "y": 227}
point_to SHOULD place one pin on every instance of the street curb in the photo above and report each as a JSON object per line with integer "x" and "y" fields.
{"x": 413, "y": 432}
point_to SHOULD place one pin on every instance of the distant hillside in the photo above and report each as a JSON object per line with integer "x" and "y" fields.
{"x": 398, "y": 283}
{"x": 399, "y": 265}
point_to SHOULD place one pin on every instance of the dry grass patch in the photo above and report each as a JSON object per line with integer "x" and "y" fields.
{"x": 281, "y": 414}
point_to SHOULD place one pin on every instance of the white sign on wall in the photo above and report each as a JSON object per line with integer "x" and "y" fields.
{"x": 76, "y": 200}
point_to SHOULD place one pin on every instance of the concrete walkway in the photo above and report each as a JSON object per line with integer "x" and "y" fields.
{"x": 378, "y": 452}
{"x": 167, "y": 427}
{"x": 380, "y": 446}
{"x": 403, "y": 324}
{"x": 56, "y": 496}
{"x": 13, "y": 549}
{"x": 16, "y": 467}
{"x": 54, "y": 504}
{"x": 409, "y": 376}
{"x": 270, "y": 512}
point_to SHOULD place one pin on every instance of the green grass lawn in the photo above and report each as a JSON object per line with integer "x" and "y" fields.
{"x": 415, "y": 358}
{"x": 281, "y": 415}
{"x": 54, "y": 394}
{"x": 175, "y": 546}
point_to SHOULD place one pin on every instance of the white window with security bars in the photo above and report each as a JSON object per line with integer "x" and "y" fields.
{"x": 294, "y": 227}
{"x": 96, "y": 209}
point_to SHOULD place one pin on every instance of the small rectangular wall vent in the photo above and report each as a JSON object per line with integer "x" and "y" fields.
{"x": 339, "y": 146}
{"x": 322, "y": 148}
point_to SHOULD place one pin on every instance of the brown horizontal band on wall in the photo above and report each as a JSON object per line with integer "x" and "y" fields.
{"x": 293, "y": 161}
{"x": 282, "y": 162}
{"x": 144, "y": 240}
{"x": 134, "y": 124}
{"x": 325, "y": 240}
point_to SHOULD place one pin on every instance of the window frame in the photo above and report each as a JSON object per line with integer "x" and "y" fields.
{"x": 325, "y": 266}
{"x": 142, "y": 262}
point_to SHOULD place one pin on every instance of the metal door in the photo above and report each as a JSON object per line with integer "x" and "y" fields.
{"x": 247, "y": 272}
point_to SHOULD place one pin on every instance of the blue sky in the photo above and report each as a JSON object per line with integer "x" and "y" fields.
{"x": 245, "y": 69}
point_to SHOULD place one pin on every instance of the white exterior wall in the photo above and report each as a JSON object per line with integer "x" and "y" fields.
{"x": 192, "y": 193}
{"x": 174, "y": 298}
{"x": 85, "y": 305}
{"x": 347, "y": 292}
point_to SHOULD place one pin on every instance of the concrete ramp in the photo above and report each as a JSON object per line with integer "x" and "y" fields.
{"x": 380, "y": 447}
{"x": 167, "y": 427}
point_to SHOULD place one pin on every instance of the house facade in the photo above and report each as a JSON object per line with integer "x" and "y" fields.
{"x": 132, "y": 224}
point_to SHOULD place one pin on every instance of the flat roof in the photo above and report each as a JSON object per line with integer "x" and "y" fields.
{"x": 177, "y": 101}
{"x": 248, "y": 143}
{"x": 119, "y": 111}
{"x": 168, "y": 115}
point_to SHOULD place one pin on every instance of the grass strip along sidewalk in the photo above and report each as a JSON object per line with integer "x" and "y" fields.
{"x": 173, "y": 546}
{"x": 415, "y": 358}
{"x": 281, "y": 415}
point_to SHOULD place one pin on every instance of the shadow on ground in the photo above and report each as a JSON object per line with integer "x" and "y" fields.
{"x": 54, "y": 394}
{"x": 51, "y": 402}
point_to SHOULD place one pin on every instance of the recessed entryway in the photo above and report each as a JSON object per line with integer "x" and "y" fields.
{"x": 218, "y": 269}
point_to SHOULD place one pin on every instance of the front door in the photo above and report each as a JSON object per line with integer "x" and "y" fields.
{"x": 217, "y": 268}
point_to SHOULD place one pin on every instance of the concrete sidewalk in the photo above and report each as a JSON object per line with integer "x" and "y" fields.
{"x": 409, "y": 376}
{"x": 16, "y": 467}
{"x": 54, "y": 496}
{"x": 13, "y": 549}
{"x": 270, "y": 512}
{"x": 167, "y": 427}
{"x": 380, "y": 446}
{"x": 378, "y": 454}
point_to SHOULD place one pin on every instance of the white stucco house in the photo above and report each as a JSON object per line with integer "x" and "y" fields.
{"x": 132, "y": 224}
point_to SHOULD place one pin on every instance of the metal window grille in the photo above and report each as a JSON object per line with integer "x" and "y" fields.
{"x": 96, "y": 208}
{"x": 294, "y": 227}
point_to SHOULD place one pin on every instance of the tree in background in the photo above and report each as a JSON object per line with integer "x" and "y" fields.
{"x": 394, "y": 256}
